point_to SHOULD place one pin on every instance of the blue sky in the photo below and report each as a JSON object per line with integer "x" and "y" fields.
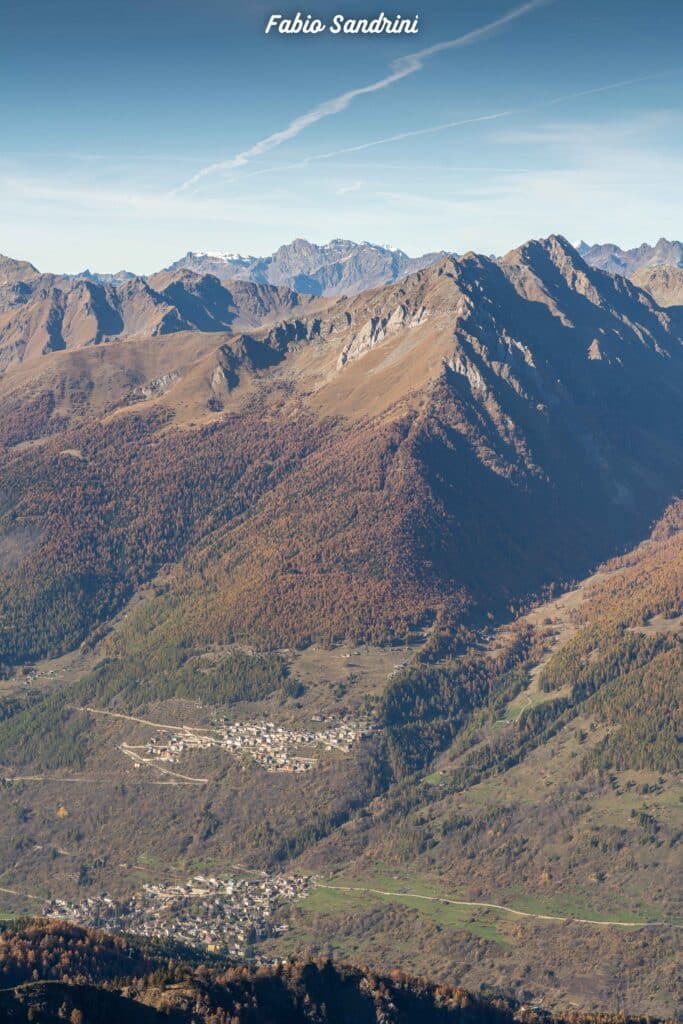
{"x": 136, "y": 130}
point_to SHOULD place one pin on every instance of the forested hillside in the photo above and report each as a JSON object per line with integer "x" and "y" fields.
{"x": 95, "y": 978}
{"x": 332, "y": 584}
{"x": 410, "y": 456}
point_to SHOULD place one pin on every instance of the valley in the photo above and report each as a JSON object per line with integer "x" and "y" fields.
{"x": 341, "y": 513}
{"x": 345, "y": 890}
{"x": 312, "y": 645}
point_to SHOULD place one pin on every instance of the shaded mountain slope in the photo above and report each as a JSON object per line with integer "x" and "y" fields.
{"x": 151, "y": 986}
{"x": 445, "y": 445}
{"x": 44, "y": 313}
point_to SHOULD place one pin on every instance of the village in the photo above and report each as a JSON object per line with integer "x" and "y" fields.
{"x": 271, "y": 746}
{"x": 221, "y": 915}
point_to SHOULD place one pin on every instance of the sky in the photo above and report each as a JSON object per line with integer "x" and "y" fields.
{"x": 136, "y": 130}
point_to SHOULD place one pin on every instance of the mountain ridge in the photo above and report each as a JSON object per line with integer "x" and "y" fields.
{"x": 338, "y": 267}
{"x": 611, "y": 257}
{"x": 514, "y": 372}
{"x": 316, "y": 577}
{"x": 154, "y": 983}
{"x": 44, "y": 313}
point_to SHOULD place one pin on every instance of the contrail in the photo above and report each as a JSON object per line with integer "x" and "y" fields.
{"x": 566, "y": 97}
{"x": 380, "y": 142}
{"x": 412, "y": 134}
{"x": 401, "y": 68}
{"x": 613, "y": 85}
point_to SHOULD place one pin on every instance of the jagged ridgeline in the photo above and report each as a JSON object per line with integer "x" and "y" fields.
{"x": 429, "y": 451}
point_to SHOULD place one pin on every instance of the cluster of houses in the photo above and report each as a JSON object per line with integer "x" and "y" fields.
{"x": 29, "y": 674}
{"x": 223, "y": 915}
{"x": 273, "y": 747}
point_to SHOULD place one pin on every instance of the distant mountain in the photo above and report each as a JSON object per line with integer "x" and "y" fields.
{"x": 42, "y": 313}
{"x": 117, "y": 278}
{"x": 664, "y": 283}
{"x": 339, "y": 267}
{"x": 612, "y": 258}
{"x": 210, "y": 305}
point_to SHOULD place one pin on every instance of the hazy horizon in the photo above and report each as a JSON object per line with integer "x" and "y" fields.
{"x": 173, "y": 257}
{"x": 135, "y": 134}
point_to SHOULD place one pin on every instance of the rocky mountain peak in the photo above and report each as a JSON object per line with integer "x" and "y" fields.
{"x": 337, "y": 267}
{"x": 16, "y": 270}
{"x": 616, "y": 260}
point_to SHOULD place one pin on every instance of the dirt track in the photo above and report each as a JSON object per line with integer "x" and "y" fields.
{"x": 498, "y": 906}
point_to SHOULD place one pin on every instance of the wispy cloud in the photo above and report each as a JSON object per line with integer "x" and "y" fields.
{"x": 596, "y": 172}
{"x": 346, "y": 150}
{"x": 412, "y": 134}
{"x": 400, "y": 69}
{"x": 353, "y": 186}
{"x": 145, "y": 204}
{"x": 447, "y": 125}
{"x": 591, "y": 174}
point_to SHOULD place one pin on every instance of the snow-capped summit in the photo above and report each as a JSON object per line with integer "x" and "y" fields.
{"x": 225, "y": 257}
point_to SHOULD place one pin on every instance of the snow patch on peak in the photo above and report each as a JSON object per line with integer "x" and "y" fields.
{"x": 227, "y": 257}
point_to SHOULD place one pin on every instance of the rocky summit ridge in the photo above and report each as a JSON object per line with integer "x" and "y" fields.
{"x": 336, "y": 268}
{"x": 533, "y": 397}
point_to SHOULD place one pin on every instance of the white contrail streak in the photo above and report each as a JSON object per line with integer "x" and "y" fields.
{"x": 565, "y": 98}
{"x": 613, "y": 85}
{"x": 401, "y": 68}
{"x": 380, "y": 142}
{"x": 416, "y": 131}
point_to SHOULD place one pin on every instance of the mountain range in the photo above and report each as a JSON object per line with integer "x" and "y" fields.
{"x": 344, "y": 267}
{"x": 230, "y": 502}
{"x": 339, "y": 267}
{"x": 616, "y": 260}
{"x": 510, "y": 374}
{"x": 49, "y": 312}
{"x": 43, "y": 313}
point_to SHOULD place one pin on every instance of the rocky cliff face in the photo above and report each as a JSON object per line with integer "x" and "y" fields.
{"x": 43, "y": 313}
{"x": 664, "y": 283}
{"x": 471, "y": 432}
{"x": 340, "y": 267}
